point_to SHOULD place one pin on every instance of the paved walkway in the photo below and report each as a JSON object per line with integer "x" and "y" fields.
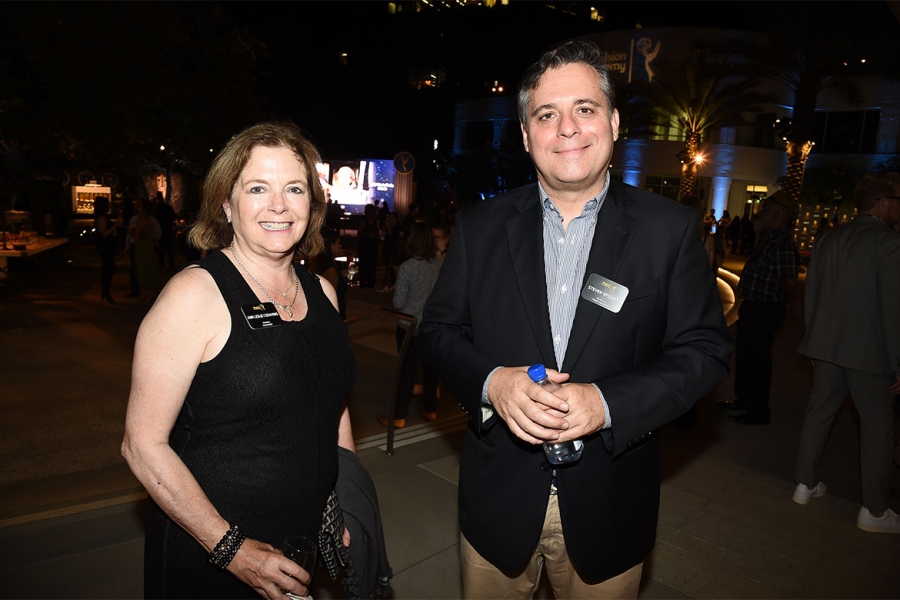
{"x": 70, "y": 512}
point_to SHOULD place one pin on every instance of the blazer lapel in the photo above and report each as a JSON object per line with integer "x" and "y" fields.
{"x": 525, "y": 238}
{"x": 612, "y": 236}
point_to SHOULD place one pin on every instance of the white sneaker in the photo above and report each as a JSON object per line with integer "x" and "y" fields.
{"x": 803, "y": 494}
{"x": 889, "y": 522}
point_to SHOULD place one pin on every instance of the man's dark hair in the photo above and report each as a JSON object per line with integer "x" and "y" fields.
{"x": 576, "y": 51}
{"x": 874, "y": 186}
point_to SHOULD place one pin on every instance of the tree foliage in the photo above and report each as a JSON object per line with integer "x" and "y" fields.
{"x": 698, "y": 95}
{"x": 109, "y": 83}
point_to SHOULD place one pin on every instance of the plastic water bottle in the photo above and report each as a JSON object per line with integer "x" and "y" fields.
{"x": 560, "y": 453}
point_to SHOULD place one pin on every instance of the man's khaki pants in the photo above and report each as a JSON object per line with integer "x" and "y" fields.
{"x": 482, "y": 580}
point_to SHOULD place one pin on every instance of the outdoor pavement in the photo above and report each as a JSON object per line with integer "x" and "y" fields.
{"x": 71, "y": 513}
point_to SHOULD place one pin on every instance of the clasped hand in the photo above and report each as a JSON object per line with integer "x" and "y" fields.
{"x": 537, "y": 415}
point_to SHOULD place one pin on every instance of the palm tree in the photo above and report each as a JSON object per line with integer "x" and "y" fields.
{"x": 806, "y": 72}
{"x": 697, "y": 96}
{"x": 801, "y": 56}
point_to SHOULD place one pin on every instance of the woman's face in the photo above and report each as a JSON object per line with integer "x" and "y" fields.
{"x": 270, "y": 203}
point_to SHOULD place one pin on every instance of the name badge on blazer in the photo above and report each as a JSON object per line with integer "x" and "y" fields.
{"x": 604, "y": 292}
{"x": 262, "y": 315}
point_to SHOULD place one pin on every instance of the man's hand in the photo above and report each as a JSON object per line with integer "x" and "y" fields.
{"x": 532, "y": 413}
{"x": 895, "y": 387}
{"x": 586, "y": 414}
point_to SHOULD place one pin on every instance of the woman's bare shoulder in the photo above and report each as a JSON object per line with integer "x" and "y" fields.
{"x": 190, "y": 297}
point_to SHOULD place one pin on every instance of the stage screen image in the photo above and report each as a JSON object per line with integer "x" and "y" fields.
{"x": 353, "y": 184}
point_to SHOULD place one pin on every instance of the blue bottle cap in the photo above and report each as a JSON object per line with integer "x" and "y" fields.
{"x": 537, "y": 372}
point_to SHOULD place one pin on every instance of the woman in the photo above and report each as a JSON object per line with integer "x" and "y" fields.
{"x": 326, "y": 266}
{"x": 145, "y": 235}
{"x": 415, "y": 279}
{"x": 240, "y": 372}
{"x": 105, "y": 232}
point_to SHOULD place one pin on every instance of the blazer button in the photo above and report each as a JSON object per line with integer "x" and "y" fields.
{"x": 545, "y": 466}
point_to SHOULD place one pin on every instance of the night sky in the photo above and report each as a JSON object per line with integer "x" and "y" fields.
{"x": 99, "y": 76}
{"x": 363, "y": 108}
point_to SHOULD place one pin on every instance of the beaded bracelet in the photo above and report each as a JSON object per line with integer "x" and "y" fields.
{"x": 227, "y": 548}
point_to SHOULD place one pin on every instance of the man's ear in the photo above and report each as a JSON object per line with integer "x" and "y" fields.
{"x": 614, "y": 123}
{"x": 524, "y": 137}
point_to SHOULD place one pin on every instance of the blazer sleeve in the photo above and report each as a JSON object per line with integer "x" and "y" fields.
{"x": 694, "y": 355}
{"x": 888, "y": 272}
{"x": 809, "y": 288}
{"x": 445, "y": 334}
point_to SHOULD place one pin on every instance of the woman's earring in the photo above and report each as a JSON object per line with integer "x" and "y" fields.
{"x": 228, "y": 217}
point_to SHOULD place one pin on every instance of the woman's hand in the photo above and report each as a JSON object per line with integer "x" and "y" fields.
{"x": 268, "y": 571}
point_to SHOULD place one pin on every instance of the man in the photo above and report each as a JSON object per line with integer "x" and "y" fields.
{"x": 524, "y": 283}
{"x": 852, "y": 313}
{"x": 766, "y": 286}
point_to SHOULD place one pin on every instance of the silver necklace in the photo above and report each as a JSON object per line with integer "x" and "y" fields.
{"x": 288, "y": 308}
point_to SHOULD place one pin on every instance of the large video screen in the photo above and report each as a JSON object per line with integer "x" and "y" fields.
{"x": 353, "y": 184}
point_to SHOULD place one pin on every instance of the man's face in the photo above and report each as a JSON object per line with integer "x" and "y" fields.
{"x": 569, "y": 131}
{"x": 771, "y": 216}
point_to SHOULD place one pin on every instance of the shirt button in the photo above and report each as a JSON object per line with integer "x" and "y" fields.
{"x": 564, "y": 289}
{"x": 562, "y": 240}
{"x": 545, "y": 466}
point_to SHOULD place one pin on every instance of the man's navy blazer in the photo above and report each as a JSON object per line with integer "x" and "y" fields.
{"x": 665, "y": 348}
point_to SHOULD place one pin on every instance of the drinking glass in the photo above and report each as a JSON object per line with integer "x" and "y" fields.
{"x": 302, "y": 551}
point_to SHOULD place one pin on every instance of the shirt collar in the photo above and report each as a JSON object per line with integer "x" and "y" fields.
{"x": 592, "y": 206}
{"x": 773, "y": 234}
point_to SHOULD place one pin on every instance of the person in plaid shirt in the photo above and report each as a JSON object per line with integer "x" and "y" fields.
{"x": 766, "y": 285}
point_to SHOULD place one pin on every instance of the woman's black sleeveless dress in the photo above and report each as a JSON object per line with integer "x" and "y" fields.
{"x": 258, "y": 430}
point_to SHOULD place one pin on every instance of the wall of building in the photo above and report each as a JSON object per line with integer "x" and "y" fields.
{"x": 732, "y": 165}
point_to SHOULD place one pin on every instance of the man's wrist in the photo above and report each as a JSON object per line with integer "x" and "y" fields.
{"x": 487, "y": 409}
{"x": 608, "y": 423}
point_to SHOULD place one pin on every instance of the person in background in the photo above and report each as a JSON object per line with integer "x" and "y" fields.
{"x": 107, "y": 242}
{"x": 823, "y": 226}
{"x": 325, "y": 265}
{"x": 720, "y": 237}
{"x": 415, "y": 281}
{"x": 241, "y": 370}
{"x": 734, "y": 234}
{"x": 145, "y": 235}
{"x": 725, "y": 221}
{"x": 706, "y": 236}
{"x": 390, "y": 250}
{"x": 767, "y": 287}
{"x": 368, "y": 234}
{"x": 130, "y": 214}
{"x": 165, "y": 214}
{"x": 852, "y": 314}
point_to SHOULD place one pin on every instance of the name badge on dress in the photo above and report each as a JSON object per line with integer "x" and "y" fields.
{"x": 262, "y": 315}
{"x": 604, "y": 292}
